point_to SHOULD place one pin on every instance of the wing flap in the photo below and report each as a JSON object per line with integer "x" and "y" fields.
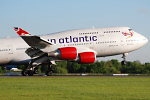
{"x": 34, "y": 53}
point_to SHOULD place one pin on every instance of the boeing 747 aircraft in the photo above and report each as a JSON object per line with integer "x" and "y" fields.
{"x": 81, "y": 45}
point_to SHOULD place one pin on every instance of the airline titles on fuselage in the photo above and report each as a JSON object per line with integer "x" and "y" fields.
{"x": 71, "y": 39}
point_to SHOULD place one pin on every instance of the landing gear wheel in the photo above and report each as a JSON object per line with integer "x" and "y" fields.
{"x": 123, "y": 63}
{"x": 36, "y": 71}
{"x": 24, "y": 73}
{"x": 30, "y": 73}
{"x": 48, "y": 73}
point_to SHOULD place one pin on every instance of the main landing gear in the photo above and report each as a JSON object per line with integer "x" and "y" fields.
{"x": 30, "y": 70}
{"x": 124, "y": 62}
{"x": 50, "y": 69}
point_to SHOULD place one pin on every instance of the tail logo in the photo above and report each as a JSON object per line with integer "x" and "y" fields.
{"x": 20, "y": 31}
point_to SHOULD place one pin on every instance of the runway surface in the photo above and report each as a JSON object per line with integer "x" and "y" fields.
{"x": 18, "y": 75}
{"x": 69, "y": 76}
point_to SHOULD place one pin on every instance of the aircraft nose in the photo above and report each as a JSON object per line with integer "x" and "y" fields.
{"x": 142, "y": 40}
{"x": 145, "y": 40}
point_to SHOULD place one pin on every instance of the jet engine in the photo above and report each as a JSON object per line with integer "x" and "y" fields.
{"x": 86, "y": 57}
{"x": 66, "y": 53}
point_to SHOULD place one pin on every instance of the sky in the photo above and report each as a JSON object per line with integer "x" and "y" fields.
{"x": 41, "y": 17}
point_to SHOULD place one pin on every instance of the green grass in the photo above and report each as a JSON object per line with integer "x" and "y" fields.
{"x": 75, "y": 88}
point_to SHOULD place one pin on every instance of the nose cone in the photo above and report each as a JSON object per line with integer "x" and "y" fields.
{"x": 144, "y": 40}
{"x": 140, "y": 40}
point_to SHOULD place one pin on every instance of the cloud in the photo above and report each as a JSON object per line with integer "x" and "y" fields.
{"x": 143, "y": 11}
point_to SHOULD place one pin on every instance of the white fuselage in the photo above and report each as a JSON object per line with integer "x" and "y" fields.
{"x": 103, "y": 41}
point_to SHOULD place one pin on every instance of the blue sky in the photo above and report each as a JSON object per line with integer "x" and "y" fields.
{"x": 49, "y": 16}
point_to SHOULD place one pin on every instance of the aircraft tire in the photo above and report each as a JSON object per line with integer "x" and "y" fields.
{"x": 123, "y": 63}
{"x": 30, "y": 73}
{"x": 36, "y": 71}
{"x": 24, "y": 73}
{"x": 48, "y": 73}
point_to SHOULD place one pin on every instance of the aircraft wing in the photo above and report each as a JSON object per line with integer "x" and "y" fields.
{"x": 32, "y": 40}
{"x": 38, "y": 56}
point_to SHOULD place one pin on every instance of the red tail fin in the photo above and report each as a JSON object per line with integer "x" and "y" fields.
{"x": 20, "y": 31}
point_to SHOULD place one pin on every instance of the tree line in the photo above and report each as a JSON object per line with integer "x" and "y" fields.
{"x": 104, "y": 67}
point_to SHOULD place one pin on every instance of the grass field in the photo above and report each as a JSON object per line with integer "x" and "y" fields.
{"x": 75, "y": 88}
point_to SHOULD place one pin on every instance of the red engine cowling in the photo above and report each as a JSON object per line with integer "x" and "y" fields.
{"x": 87, "y": 57}
{"x": 67, "y": 53}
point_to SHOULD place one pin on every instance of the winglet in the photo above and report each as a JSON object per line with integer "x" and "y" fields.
{"x": 20, "y": 31}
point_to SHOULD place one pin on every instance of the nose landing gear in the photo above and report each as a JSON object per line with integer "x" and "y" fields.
{"x": 124, "y": 62}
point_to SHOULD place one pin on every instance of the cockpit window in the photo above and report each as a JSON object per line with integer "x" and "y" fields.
{"x": 130, "y": 29}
